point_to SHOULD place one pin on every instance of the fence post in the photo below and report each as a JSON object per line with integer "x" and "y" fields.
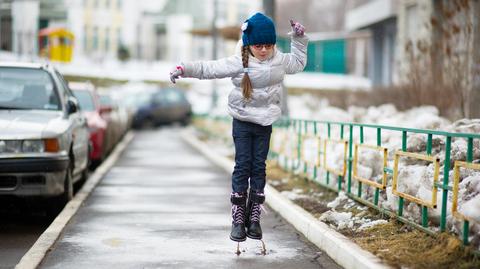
{"x": 350, "y": 143}
{"x": 446, "y": 170}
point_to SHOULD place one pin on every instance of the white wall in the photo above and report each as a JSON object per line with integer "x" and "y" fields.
{"x": 179, "y": 40}
{"x": 25, "y": 28}
{"x": 75, "y": 24}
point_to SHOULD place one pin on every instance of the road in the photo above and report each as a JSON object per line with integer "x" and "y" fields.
{"x": 20, "y": 226}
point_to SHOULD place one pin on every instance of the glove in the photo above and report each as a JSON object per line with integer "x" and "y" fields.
{"x": 176, "y": 73}
{"x": 297, "y": 28}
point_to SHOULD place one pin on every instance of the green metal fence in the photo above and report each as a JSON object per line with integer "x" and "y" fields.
{"x": 294, "y": 133}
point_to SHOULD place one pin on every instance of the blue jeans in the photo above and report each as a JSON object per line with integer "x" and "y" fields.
{"x": 252, "y": 142}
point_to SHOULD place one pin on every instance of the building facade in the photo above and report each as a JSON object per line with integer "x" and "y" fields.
{"x": 379, "y": 17}
{"x": 99, "y": 28}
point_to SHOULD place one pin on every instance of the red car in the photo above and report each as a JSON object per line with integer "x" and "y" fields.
{"x": 90, "y": 106}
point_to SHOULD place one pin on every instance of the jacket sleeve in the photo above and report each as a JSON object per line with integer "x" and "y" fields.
{"x": 222, "y": 68}
{"x": 296, "y": 60}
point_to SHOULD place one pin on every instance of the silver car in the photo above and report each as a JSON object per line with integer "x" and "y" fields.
{"x": 44, "y": 140}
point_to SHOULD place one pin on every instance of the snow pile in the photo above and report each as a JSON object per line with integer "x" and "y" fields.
{"x": 294, "y": 194}
{"x": 340, "y": 219}
{"x": 470, "y": 192}
{"x": 340, "y": 199}
{"x": 415, "y": 177}
{"x": 371, "y": 224}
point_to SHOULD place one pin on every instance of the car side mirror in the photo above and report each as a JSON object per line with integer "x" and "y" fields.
{"x": 72, "y": 105}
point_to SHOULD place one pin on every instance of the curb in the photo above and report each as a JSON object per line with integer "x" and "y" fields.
{"x": 45, "y": 242}
{"x": 341, "y": 249}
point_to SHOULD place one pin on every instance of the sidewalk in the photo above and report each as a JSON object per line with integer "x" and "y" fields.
{"x": 163, "y": 205}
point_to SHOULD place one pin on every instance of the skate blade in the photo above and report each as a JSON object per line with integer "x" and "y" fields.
{"x": 238, "y": 249}
{"x": 264, "y": 249}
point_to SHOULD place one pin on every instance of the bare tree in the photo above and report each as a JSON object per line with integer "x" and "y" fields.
{"x": 440, "y": 66}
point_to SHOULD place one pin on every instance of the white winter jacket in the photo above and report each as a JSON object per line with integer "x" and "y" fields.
{"x": 266, "y": 76}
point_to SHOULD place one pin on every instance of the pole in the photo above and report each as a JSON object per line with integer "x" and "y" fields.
{"x": 214, "y": 52}
{"x": 474, "y": 111}
{"x": 269, "y": 8}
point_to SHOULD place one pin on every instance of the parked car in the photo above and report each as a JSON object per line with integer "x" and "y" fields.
{"x": 131, "y": 96}
{"x": 89, "y": 102}
{"x": 116, "y": 115}
{"x": 163, "y": 107}
{"x": 44, "y": 138}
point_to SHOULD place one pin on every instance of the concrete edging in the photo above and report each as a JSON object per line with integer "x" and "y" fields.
{"x": 337, "y": 246}
{"x": 45, "y": 242}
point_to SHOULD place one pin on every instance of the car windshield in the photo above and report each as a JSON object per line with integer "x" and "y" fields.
{"x": 85, "y": 99}
{"x": 140, "y": 99}
{"x": 174, "y": 96}
{"x": 106, "y": 100}
{"x": 26, "y": 88}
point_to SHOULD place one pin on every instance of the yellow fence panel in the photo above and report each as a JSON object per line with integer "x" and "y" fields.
{"x": 310, "y": 151}
{"x": 342, "y": 171}
{"x": 383, "y": 150}
{"x": 456, "y": 182}
{"x": 435, "y": 160}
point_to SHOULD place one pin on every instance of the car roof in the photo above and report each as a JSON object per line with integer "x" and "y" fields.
{"x": 25, "y": 65}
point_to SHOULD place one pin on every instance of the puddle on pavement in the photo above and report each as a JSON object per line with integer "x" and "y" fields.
{"x": 112, "y": 242}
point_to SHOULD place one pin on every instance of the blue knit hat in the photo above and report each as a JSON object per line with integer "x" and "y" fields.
{"x": 258, "y": 29}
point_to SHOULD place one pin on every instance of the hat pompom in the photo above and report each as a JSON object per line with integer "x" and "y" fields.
{"x": 244, "y": 26}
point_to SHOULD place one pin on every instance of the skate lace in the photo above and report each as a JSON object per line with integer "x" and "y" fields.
{"x": 255, "y": 214}
{"x": 238, "y": 213}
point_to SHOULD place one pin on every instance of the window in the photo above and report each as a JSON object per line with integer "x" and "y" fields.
{"x": 25, "y": 88}
{"x": 119, "y": 37}
{"x": 85, "y": 39}
{"x": 173, "y": 96}
{"x": 107, "y": 39}
{"x": 95, "y": 38}
{"x": 85, "y": 99}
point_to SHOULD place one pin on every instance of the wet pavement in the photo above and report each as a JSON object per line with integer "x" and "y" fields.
{"x": 19, "y": 229}
{"x": 164, "y": 205}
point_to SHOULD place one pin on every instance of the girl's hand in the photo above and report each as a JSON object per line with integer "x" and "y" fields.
{"x": 176, "y": 73}
{"x": 297, "y": 28}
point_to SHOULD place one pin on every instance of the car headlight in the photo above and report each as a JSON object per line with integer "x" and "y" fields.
{"x": 33, "y": 146}
{"x": 13, "y": 146}
{"x": 3, "y": 146}
{"x": 29, "y": 146}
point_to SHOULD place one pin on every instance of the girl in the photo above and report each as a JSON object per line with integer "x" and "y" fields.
{"x": 257, "y": 72}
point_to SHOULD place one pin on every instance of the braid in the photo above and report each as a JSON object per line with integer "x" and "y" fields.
{"x": 246, "y": 83}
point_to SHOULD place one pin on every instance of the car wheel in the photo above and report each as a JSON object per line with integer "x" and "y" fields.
{"x": 82, "y": 180}
{"x": 59, "y": 202}
{"x": 148, "y": 123}
{"x": 68, "y": 186}
{"x": 186, "y": 121}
